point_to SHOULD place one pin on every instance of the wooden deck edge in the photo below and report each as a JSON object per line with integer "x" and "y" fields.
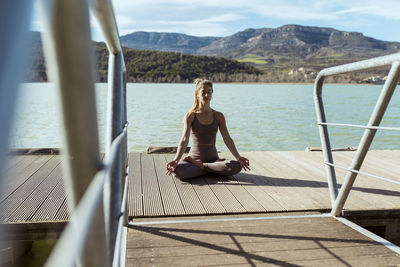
{"x": 372, "y": 214}
{"x": 31, "y": 230}
{"x": 160, "y": 150}
{"x": 34, "y": 151}
{"x": 365, "y": 214}
{"x": 234, "y": 213}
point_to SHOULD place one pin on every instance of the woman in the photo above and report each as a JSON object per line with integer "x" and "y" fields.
{"x": 204, "y": 122}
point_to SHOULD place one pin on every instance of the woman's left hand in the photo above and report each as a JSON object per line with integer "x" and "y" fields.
{"x": 244, "y": 163}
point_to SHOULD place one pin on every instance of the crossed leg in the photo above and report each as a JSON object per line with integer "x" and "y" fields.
{"x": 189, "y": 169}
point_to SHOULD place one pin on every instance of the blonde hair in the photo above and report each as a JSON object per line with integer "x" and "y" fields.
{"x": 199, "y": 84}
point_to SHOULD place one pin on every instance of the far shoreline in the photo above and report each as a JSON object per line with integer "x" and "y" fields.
{"x": 271, "y": 83}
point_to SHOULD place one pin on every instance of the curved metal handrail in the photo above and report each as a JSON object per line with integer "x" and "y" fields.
{"x": 339, "y": 198}
{"x": 68, "y": 52}
{"x": 104, "y": 13}
{"x": 77, "y": 231}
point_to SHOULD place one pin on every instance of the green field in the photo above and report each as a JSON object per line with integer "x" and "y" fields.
{"x": 252, "y": 58}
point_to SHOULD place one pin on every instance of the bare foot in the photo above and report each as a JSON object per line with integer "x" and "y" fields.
{"x": 198, "y": 162}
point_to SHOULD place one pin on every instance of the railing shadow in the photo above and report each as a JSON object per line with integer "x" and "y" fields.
{"x": 248, "y": 179}
{"x": 183, "y": 235}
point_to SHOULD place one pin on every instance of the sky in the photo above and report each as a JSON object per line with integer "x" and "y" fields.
{"x": 376, "y": 19}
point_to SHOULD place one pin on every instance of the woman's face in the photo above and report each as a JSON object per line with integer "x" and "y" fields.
{"x": 205, "y": 93}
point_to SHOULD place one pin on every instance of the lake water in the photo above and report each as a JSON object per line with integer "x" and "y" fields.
{"x": 259, "y": 116}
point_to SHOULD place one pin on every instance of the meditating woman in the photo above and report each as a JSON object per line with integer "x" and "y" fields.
{"x": 204, "y": 122}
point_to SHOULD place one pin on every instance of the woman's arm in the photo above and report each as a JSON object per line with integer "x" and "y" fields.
{"x": 187, "y": 125}
{"x": 244, "y": 162}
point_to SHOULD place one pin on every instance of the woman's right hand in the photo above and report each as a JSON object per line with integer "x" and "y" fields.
{"x": 244, "y": 163}
{"x": 171, "y": 166}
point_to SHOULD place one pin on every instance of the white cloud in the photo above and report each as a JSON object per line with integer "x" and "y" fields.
{"x": 224, "y": 17}
{"x": 212, "y": 14}
{"x": 387, "y": 9}
{"x": 299, "y": 13}
{"x": 211, "y": 26}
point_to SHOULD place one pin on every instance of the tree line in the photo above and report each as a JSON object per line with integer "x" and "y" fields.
{"x": 173, "y": 67}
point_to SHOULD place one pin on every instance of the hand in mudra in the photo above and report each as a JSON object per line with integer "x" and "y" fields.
{"x": 171, "y": 166}
{"x": 244, "y": 163}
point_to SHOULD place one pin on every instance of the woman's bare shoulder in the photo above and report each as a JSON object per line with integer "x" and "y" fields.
{"x": 219, "y": 115}
{"x": 189, "y": 116}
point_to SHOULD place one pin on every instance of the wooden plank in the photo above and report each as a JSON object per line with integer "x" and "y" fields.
{"x": 171, "y": 200}
{"x": 307, "y": 177}
{"x": 231, "y": 194}
{"x": 13, "y": 161}
{"x": 63, "y": 213}
{"x": 304, "y": 177}
{"x": 315, "y": 162}
{"x": 24, "y": 160}
{"x": 152, "y": 202}
{"x": 254, "y": 192}
{"x": 15, "y": 179}
{"x": 279, "y": 181}
{"x": 253, "y": 258}
{"x": 223, "y": 194}
{"x": 11, "y": 203}
{"x": 378, "y": 164}
{"x": 207, "y": 197}
{"x": 377, "y": 193}
{"x": 135, "y": 190}
{"x": 248, "y": 202}
{"x": 287, "y": 176}
{"x": 189, "y": 197}
{"x": 252, "y": 185}
{"x": 50, "y": 207}
{"x": 387, "y": 159}
{"x": 32, "y": 203}
{"x": 357, "y": 199}
{"x": 261, "y": 175}
{"x": 282, "y": 242}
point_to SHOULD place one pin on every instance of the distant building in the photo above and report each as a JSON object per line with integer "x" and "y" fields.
{"x": 374, "y": 80}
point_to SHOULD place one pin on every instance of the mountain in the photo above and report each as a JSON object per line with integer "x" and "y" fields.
{"x": 174, "y": 42}
{"x": 281, "y": 49}
{"x": 291, "y": 53}
{"x": 299, "y": 42}
{"x": 150, "y": 66}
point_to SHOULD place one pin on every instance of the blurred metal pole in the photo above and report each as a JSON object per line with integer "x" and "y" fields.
{"x": 114, "y": 128}
{"x": 70, "y": 65}
{"x": 104, "y": 12}
{"x": 15, "y": 16}
{"x": 125, "y": 154}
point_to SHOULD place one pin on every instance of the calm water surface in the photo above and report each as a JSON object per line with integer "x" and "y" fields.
{"x": 259, "y": 116}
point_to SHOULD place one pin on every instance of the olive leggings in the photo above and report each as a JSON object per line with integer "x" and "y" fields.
{"x": 186, "y": 170}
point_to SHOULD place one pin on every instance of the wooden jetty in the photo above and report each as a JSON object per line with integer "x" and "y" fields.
{"x": 254, "y": 241}
{"x": 34, "y": 205}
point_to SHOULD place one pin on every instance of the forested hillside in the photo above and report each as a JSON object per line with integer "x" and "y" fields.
{"x": 153, "y": 66}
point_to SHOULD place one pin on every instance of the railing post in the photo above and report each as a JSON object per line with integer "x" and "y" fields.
{"x": 324, "y": 136}
{"x": 375, "y": 119}
{"x": 125, "y": 153}
{"x": 14, "y": 23}
{"x": 70, "y": 65}
{"x": 115, "y": 116}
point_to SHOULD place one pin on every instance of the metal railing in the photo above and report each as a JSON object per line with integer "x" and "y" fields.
{"x": 14, "y": 28}
{"x": 338, "y": 198}
{"x": 97, "y": 189}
